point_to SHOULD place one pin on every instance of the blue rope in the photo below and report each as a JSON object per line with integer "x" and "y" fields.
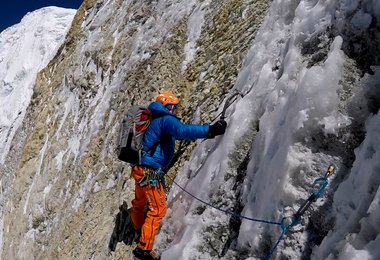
{"x": 285, "y": 229}
{"x": 275, "y": 246}
{"x": 233, "y": 214}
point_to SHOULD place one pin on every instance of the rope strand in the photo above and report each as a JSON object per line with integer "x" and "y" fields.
{"x": 322, "y": 182}
{"x": 234, "y": 214}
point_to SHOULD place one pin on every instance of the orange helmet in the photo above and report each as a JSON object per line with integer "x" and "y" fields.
{"x": 167, "y": 98}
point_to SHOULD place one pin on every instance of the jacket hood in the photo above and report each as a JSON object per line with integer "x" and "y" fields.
{"x": 158, "y": 109}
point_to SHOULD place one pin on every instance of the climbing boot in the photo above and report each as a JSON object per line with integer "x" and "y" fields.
{"x": 140, "y": 254}
{"x": 130, "y": 233}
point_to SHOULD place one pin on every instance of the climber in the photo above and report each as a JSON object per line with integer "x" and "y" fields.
{"x": 159, "y": 140}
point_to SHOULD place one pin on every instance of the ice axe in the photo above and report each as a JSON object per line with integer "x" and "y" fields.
{"x": 230, "y": 100}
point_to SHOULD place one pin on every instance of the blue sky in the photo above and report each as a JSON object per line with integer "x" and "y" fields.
{"x": 12, "y": 11}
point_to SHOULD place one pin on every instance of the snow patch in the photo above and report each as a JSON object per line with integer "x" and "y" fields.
{"x": 25, "y": 49}
{"x": 194, "y": 29}
{"x": 80, "y": 196}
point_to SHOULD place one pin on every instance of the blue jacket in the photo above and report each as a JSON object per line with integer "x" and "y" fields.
{"x": 165, "y": 128}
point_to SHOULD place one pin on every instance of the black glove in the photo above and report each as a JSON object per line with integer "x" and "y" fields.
{"x": 217, "y": 129}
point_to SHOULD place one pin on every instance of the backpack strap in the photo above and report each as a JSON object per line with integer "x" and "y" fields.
{"x": 129, "y": 140}
{"x": 153, "y": 148}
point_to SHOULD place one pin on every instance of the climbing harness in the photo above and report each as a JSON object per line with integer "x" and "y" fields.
{"x": 284, "y": 223}
{"x": 152, "y": 177}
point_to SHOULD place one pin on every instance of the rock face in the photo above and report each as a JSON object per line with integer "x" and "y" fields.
{"x": 64, "y": 184}
{"x": 67, "y": 185}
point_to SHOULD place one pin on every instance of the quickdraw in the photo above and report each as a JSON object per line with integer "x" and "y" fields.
{"x": 322, "y": 182}
{"x": 297, "y": 218}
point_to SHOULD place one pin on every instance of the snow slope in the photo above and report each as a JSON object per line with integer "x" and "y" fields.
{"x": 25, "y": 49}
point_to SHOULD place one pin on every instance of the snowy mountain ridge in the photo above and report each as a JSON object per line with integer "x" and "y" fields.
{"x": 309, "y": 75}
{"x": 25, "y": 49}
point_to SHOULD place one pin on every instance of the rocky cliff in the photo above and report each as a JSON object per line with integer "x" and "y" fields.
{"x": 66, "y": 185}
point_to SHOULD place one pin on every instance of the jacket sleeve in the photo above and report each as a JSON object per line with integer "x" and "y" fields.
{"x": 174, "y": 127}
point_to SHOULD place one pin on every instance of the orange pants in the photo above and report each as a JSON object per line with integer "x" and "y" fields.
{"x": 155, "y": 198}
